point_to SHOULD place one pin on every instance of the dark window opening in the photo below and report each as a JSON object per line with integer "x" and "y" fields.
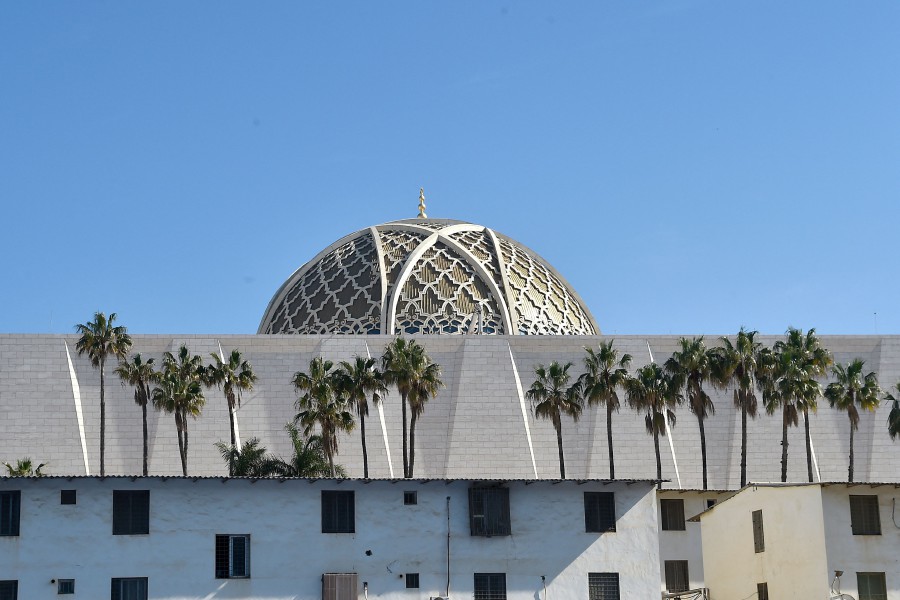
{"x": 339, "y": 586}
{"x": 677, "y": 577}
{"x": 9, "y": 590}
{"x": 864, "y": 517}
{"x": 759, "y": 539}
{"x": 871, "y": 586}
{"x": 10, "y": 503}
{"x": 710, "y": 502}
{"x": 410, "y": 498}
{"x": 131, "y": 512}
{"x": 338, "y": 512}
{"x": 67, "y": 496}
{"x": 603, "y": 586}
{"x": 762, "y": 591}
{"x": 672, "y": 514}
{"x": 232, "y": 556}
{"x": 412, "y": 580}
{"x": 129, "y": 588}
{"x": 599, "y": 512}
{"x": 489, "y": 511}
{"x": 65, "y": 586}
{"x": 490, "y": 586}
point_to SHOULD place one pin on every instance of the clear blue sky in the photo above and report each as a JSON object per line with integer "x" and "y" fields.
{"x": 689, "y": 166}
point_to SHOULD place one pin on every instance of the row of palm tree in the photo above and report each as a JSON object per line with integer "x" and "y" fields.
{"x": 785, "y": 376}
{"x": 329, "y": 394}
{"x": 307, "y": 458}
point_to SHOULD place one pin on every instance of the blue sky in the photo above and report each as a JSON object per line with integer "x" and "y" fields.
{"x": 689, "y": 166}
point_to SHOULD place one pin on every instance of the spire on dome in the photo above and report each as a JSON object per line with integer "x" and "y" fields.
{"x": 422, "y": 214}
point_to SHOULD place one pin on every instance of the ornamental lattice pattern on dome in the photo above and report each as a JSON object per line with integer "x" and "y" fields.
{"x": 481, "y": 246}
{"x": 542, "y": 303}
{"x": 441, "y": 296}
{"x": 339, "y": 294}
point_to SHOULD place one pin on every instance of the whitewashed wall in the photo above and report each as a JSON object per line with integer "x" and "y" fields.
{"x": 289, "y": 553}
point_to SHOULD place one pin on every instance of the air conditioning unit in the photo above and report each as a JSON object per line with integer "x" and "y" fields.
{"x": 440, "y": 598}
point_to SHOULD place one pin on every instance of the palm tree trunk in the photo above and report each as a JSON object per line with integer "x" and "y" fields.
{"x": 362, "y": 434}
{"x": 562, "y": 460}
{"x": 233, "y": 436}
{"x": 609, "y": 442}
{"x": 809, "y": 466}
{"x": 702, "y": 447}
{"x": 185, "y": 458}
{"x": 102, "y": 417}
{"x": 144, "y": 415}
{"x": 412, "y": 444}
{"x": 743, "y": 445}
{"x": 331, "y": 465}
{"x": 850, "y": 472}
{"x": 658, "y": 459}
{"x": 784, "y": 444}
{"x": 405, "y": 455}
{"x": 180, "y": 431}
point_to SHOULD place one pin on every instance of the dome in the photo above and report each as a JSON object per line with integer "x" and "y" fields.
{"x": 433, "y": 276}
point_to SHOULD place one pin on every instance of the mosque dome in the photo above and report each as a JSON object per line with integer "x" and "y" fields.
{"x": 432, "y": 276}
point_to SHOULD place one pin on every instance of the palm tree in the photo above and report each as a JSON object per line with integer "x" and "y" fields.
{"x": 407, "y": 366}
{"x": 736, "y": 365}
{"x": 179, "y": 391}
{"x": 322, "y": 404}
{"x": 233, "y": 376}
{"x": 689, "y": 369}
{"x": 308, "y": 457}
{"x": 99, "y": 340}
{"x": 792, "y": 381}
{"x": 139, "y": 373}
{"x": 604, "y": 373}
{"x": 894, "y": 415}
{"x": 850, "y": 392}
{"x": 552, "y": 397}
{"x": 360, "y": 381}
{"x": 250, "y": 460}
{"x": 651, "y": 391}
{"x": 24, "y": 468}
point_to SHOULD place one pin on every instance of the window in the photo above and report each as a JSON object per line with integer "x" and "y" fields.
{"x": 489, "y": 511}
{"x": 338, "y": 512}
{"x": 131, "y": 512}
{"x": 759, "y": 540}
{"x": 871, "y": 586}
{"x": 672, "y": 515}
{"x": 490, "y": 586}
{"x": 603, "y": 586}
{"x": 677, "y": 579}
{"x": 232, "y": 556}
{"x": 762, "y": 591}
{"x": 65, "y": 586}
{"x": 599, "y": 512}
{"x": 410, "y": 498}
{"x": 9, "y": 590}
{"x": 67, "y": 496}
{"x": 412, "y": 580}
{"x": 339, "y": 586}
{"x": 9, "y": 512}
{"x": 129, "y": 588}
{"x": 710, "y": 502}
{"x": 864, "y": 518}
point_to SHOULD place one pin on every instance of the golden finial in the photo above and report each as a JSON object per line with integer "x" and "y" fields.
{"x": 422, "y": 214}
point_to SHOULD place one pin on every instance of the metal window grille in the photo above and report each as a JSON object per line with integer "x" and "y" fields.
{"x": 131, "y": 512}
{"x": 759, "y": 540}
{"x": 490, "y": 586}
{"x": 762, "y": 591}
{"x": 677, "y": 577}
{"x": 412, "y": 580}
{"x": 65, "y": 586}
{"x": 338, "y": 512}
{"x": 339, "y": 586}
{"x": 603, "y": 586}
{"x": 599, "y": 512}
{"x": 871, "y": 586}
{"x": 9, "y": 590}
{"x": 864, "y": 517}
{"x": 9, "y": 512}
{"x": 67, "y": 497}
{"x": 410, "y": 498}
{"x": 489, "y": 511}
{"x": 129, "y": 588}
{"x": 672, "y": 514}
{"x": 232, "y": 556}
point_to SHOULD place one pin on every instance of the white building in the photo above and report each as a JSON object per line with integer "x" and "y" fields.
{"x": 132, "y": 538}
{"x": 790, "y": 541}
